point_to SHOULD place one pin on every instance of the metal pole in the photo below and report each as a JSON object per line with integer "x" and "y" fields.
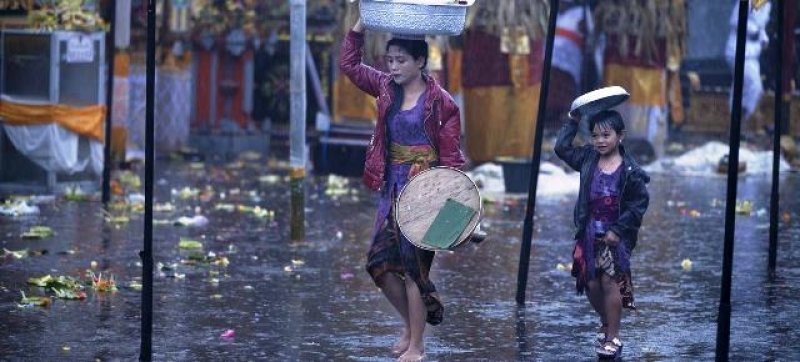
{"x": 146, "y": 353}
{"x": 789, "y": 18}
{"x": 724, "y": 316}
{"x": 297, "y": 132}
{"x": 776, "y": 144}
{"x": 110, "y": 52}
{"x": 527, "y": 231}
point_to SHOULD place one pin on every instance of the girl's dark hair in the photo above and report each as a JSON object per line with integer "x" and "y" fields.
{"x": 607, "y": 119}
{"x": 415, "y": 48}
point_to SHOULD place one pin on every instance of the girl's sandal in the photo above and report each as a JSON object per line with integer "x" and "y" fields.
{"x": 611, "y": 349}
{"x": 601, "y": 334}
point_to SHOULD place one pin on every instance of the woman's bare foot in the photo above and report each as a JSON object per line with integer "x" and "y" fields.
{"x": 401, "y": 345}
{"x": 413, "y": 354}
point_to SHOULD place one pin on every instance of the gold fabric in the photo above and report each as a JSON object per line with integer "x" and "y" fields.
{"x": 647, "y": 86}
{"x": 500, "y": 121}
{"x": 757, "y": 4}
{"x": 519, "y": 69}
{"x": 352, "y": 103}
{"x": 675, "y": 98}
{"x": 85, "y": 121}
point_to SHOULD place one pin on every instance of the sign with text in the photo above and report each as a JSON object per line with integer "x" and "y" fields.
{"x": 80, "y": 49}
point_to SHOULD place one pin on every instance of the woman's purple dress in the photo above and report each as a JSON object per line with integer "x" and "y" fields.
{"x": 390, "y": 251}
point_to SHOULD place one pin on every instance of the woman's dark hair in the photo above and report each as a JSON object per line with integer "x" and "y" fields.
{"x": 607, "y": 119}
{"x": 415, "y": 48}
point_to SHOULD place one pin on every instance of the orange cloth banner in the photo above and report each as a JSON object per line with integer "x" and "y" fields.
{"x": 647, "y": 86}
{"x": 122, "y": 63}
{"x": 454, "y": 57}
{"x": 85, "y": 121}
{"x": 500, "y": 121}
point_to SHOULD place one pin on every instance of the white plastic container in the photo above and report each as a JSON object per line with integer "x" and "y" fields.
{"x": 415, "y": 17}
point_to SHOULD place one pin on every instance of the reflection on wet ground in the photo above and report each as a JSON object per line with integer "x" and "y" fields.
{"x": 312, "y": 301}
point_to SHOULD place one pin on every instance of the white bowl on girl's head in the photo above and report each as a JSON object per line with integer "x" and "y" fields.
{"x": 597, "y": 100}
{"x": 417, "y": 17}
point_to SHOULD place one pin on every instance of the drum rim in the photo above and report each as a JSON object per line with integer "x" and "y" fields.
{"x": 460, "y": 242}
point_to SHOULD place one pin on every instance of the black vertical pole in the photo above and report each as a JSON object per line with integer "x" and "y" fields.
{"x": 776, "y": 144}
{"x": 146, "y": 353}
{"x": 110, "y": 51}
{"x": 724, "y": 316}
{"x": 527, "y": 232}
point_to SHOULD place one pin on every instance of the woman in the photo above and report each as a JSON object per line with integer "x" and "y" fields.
{"x": 612, "y": 200}
{"x": 418, "y": 126}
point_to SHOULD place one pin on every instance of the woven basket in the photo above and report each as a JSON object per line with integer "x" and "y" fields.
{"x": 415, "y": 17}
{"x": 597, "y": 100}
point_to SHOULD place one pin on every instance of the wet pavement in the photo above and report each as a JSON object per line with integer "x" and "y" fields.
{"x": 312, "y": 300}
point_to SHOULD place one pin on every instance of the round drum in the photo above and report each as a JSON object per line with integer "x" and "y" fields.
{"x": 438, "y": 209}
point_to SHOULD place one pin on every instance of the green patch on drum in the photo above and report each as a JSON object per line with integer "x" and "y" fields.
{"x": 448, "y": 225}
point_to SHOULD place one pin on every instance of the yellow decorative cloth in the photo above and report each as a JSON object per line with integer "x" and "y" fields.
{"x": 647, "y": 86}
{"x": 352, "y": 103}
{"x": 500, "y": 121}
{"x": 86, "y": 121}
{"x": 420, "y": 157}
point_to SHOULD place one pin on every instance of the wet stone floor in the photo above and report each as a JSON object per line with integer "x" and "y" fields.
{"x": 276, "y": 300}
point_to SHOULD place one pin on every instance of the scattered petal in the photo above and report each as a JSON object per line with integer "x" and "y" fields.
{"x": 16, "y": 254}
{"x": 225, "y": 207}
{"x": 190, "y": 244}
{"x": 18, "y": 208}
{"x": 744, "y": 207}
{"x": 686, "y": 264}
{"x": 136, "y": 198}
{"x": 197, "y": 221}
{"x": 75, "y": 193}
{"x": 271, "y": 179}
{"x": 28, "y": 302}
{"x": 117, "y": 219}
{"x": 168, "y": 207}
{"x": 101, "y": 284}
{"x": 38, "y": 232}
{"x": 135, "y": 286}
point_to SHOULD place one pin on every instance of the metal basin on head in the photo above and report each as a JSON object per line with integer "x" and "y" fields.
{"x": 415, "y": 17}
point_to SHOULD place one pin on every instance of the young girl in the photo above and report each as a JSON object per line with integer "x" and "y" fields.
{"x": 418, "y": 126}
{"x": 611, "y": 202}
